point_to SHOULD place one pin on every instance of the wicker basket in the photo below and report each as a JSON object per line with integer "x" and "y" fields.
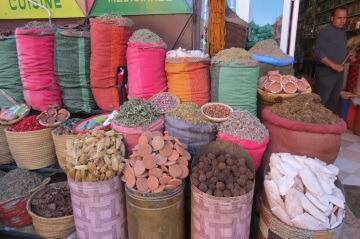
{"x": 13, "y": 101}
{"x": 60, "y": 147}
{"x": 5, "y": 154}
{"x": 31, "y": 149}
{"x": 59, "y": 227}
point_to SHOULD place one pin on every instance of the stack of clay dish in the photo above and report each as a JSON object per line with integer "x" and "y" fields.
{"x": 53, "y": 116}
{"x": 159, "y": 162}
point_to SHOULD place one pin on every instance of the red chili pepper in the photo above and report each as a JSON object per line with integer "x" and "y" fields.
{"x": 29, "y": 123}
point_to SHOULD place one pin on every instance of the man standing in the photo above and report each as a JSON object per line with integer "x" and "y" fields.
{"x": 331, "y": 51}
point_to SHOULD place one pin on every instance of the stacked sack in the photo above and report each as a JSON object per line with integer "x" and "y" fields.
{"x": 109, "y": 35}
{"x": 35, "y": 48}
{"x": 234, "y": 75}
{"x": 10, "y": 81}
{"x": 146, "y": 56}
{"x": 72, "y": 68}
{"x": 188, "y": 75}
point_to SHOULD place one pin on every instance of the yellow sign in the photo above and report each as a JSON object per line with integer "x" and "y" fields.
{"x": 24, "y": 9}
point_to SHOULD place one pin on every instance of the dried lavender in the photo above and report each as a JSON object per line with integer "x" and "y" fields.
{"x": 18, "y": 183}
{"x": 242, "y": 124}
{"x": 136, "y": 112}
{"x": 189, "y": 112}
{"x": 164, "y": 102}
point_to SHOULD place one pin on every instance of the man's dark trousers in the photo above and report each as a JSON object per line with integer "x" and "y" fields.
{"x": 328, "y": 86}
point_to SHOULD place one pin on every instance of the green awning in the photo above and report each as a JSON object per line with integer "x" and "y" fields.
{"x": 139, "y": 7}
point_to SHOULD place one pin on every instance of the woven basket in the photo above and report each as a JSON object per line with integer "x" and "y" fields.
{"x": 31, "y": 149}
{"x": 5, "y": 154}
{"x": 59, "y": 227}
{"x": 60, "y": 147}
{"x": 272, "y": 227}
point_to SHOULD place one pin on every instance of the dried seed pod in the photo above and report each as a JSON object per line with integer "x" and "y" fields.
{"x": 71, "y": 173}
{"x": 90, "y": 140}
{"x": 91, "y": 167}
{"x": 111, "y": 150}
{"x": 81, "y": 167}
{"x": 107, "y": 159}
{"x": 114, "y": 163}
{"x": 88, "y": 148}
{"x": 110, "y": 133}
{"x": 107, "y": 142}
{"x": 103, "y": 169}
{"x": 109, "y": 174}
{"x": 83, "y": 175}
{"x": 100, "y": 163}
{"x": 100, "y": 145}
{"x": 78, "y": 176}
{"x": 102, "y": 176}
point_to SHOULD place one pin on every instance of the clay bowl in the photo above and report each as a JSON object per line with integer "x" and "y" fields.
{"x": 269, "y": 73}
{"x": 262, "y": 85}
{"x": 267, "y": 86}
{"x": 262, "y": 80}
{"x": 275, "y": 87}
{"x": 290, "y": 87}
{"x": 275, "y": 77}
{"x": 285, "y": 79}
{"x": 301, "y": 85}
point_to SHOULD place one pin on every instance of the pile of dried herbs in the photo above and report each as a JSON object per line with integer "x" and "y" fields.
{"x": 189, "y": 112}
{"x": 232, "y": 54}
{"x": 242, "y": 124}
{"x": 145, "y": 35}
{"x": 136, "y": 112}
{"x": 268, "y": 47}
{"x": 306, "y": 108}
{"x": 18, "y": 183}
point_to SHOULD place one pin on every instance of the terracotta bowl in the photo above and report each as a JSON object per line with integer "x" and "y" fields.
{"x": 275, "y": 87}
{"x": 275, "y": 77}
{"x": 269, "y": 73}
{"x": 301, "y": 85}
{"x": 290, "y": 87}
{"x": 285, "y": 79}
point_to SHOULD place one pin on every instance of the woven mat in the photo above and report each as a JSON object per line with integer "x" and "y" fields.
{"x": 352, "y": 199}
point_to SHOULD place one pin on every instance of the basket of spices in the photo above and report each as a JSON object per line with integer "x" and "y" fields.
{"x": 190, "y": 125}
{"x": 217, "y": 112}
{"x": 60, "y": 135}
{"x": 31, "y": 144}
{"x": 94, "y": 163}
{"x": 154, "y": 178}
{"x": 133, "y": 118}
{"x": 245, "y": 129}
{"x": 15, "y": 189}
{"x": 164, "y": 101}
{"x": 222, "y": 190}
{"x": 51, "y": 211}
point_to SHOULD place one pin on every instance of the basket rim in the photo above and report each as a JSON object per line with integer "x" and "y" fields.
{"x": 177, "y": 100}
{"x": 9, "y": 131}
{"x": 32, "y": 214}
{"x": 219, "y": 120}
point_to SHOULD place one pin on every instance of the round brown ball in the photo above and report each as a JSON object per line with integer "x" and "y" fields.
{"x": 207, "y": 167}
{"x": 227, "y": 193}
{"x": 194, "y": 176}
{"x": 212, "y": 186}
{"x": 242, "y": 191}
{"x": 237, "y": 174}
{"x": 230, "y": 180}
{"x": 202, "y": 158}
{"x": 235, "y": 192}
{"x": 226, "y": 172}
{"x": 221, "y": 159}
{"x": 202, "y": 178}
{"x": 201, "y": 165}
{"x": 229, "y": 186}
{"x": 229, "y": 161}
{"x": 248, "y": 186}
{"x": 227, "y": 156}
{"x": 241, "y": 162}
{"x": 220, "y": 185}
{"x": 216, "y": 152}
{"x": 195, "y": 169}
{"x": 242, "y": 170}
{"x": 221, "y": 177}
{"x": 214, "y": 162}
{"x": 218, "y": 193}
{"x": 249, "y": 175}
{"x": 236, "y": 186}
{"x": 244, "y": 177}
{"x": 196, "y": 182}
{"x": 241, "y": 182}
{"x": 210, "y": 192}
{"x": 209, "y": 174}
{"x": 210, "y": 155}
{"x": 222, "y": 166}
{"x": 203, "y": 187}
{"x": 201, "y": 172}
{"x": 214, "y": 180}
{"x": 234, "y": 168}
